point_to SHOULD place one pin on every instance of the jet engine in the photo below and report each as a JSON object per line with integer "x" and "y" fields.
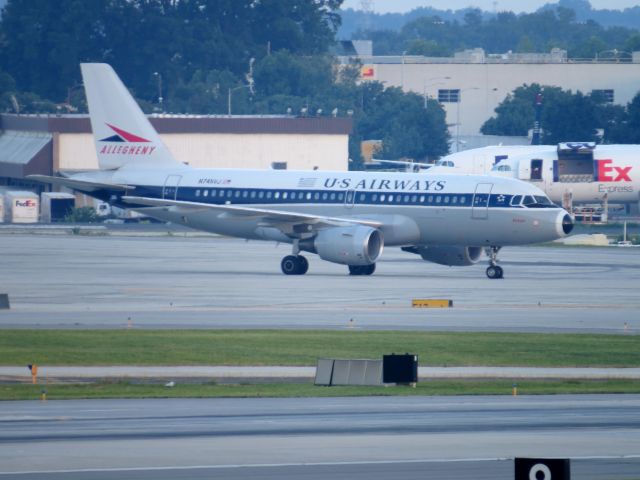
{"x": 357, "y": 245}
{"x": 448, "y": 255}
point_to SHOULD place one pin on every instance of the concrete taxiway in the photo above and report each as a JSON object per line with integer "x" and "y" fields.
{"x": 77, "y": 281}
{"x": 411, "y": 438}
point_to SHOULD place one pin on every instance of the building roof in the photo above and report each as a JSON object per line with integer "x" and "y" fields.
{"x": 23, "y": 153}
{"x": 189, "y": 124}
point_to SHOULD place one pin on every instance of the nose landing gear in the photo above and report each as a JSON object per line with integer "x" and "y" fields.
{"x": 494, "y": 270}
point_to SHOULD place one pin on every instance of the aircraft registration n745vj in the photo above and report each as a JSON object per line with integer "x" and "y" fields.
{"x": 344, "y": 217}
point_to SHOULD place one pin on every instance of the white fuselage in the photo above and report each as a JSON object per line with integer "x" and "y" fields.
{"x": 612, "y": 170}
{"x": 412, "y": 209}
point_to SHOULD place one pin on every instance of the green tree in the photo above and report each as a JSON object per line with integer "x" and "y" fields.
{"x": 565, "y": 116}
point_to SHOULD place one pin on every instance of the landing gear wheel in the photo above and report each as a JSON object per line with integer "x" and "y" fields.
{"x": 294, "y": 265}
{"x": 494, "y": 271}
{"x": 362, "y": 269}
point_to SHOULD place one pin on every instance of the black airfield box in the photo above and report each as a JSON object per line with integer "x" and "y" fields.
{"x": 400, "y": 368}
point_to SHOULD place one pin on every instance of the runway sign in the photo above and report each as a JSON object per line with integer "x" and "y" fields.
{"x": 542, "y": 469}
{"x": 431, "y": 303}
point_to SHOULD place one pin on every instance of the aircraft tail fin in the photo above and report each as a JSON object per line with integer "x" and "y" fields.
{"x": 122, "y": 132}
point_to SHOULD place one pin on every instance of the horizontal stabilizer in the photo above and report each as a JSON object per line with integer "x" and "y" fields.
{"x": 82, "y": 185}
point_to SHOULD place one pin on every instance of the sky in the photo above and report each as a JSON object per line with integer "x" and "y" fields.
{"x": 386, "y": 6}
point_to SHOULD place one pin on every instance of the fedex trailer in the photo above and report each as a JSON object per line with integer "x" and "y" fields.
{"x": 21, "y": 207}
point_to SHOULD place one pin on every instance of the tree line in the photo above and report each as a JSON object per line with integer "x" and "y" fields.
{"x": 525, "y": 33}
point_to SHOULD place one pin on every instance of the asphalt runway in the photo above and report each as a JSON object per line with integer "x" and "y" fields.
{"x": 314, "y": 438}
{"x": 67, "y": 281}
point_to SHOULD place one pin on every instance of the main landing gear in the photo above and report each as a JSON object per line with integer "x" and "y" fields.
{"x": 362, "y": 269}
{"x": 294, "y": 265}
{"x": 494, "y": 270}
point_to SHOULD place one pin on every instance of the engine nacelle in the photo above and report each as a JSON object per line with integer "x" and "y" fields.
{"x": 358, "y": 245}
{"x": 449, "y": 255}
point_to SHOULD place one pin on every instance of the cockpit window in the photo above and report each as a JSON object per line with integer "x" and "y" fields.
{"x": 516, "y": 200}
{"x": 542, "y": 200}
{"x": 445, "y": 163}
{"x": 537, "y": 201}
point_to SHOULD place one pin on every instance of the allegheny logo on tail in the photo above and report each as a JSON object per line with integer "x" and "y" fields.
{"x": 123, "y": 136}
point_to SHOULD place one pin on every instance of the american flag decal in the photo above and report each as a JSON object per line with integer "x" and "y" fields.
{"x": 307, "y": 182}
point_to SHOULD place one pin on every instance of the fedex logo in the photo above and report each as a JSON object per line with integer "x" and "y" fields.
{"x": 25, "y": 203}
{"x": 609, "y": 173}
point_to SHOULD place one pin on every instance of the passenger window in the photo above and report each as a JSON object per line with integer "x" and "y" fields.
{"x": 214, "y": 193}
{"x": 421, "y": 198}
{"x": 324, "y": 196}
{"x": 406, "y": 198}
{"x": 414, "y": 198}
{"x": 383, "y": 197}
{"x": 253, "y": 194}
{"x": 237, "y": 194}
{"x": 269, "y": 194}
{"x": 362, "y": 197}
{"x": 341, "y": 196}
{"x": 197, "y": 193}
{"x": 276, "y": 195}
{"x": 205, "y": 193}
{"x": 454, "y": 199}
{"x": 260, "y": 194}
{"x": 391, "y": 198}
{"x": 332, "y": 196}
{"x": 438, "y": 199}
{"x": 245, "y": 194}
{"x": 430, "y": 198}
{"x": 374, "y": 197}
{"x": 446, "y": 199}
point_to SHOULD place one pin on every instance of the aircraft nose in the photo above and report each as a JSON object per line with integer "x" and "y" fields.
{"x": 567, "y": 224}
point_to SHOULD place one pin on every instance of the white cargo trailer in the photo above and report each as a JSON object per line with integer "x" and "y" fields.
{"x": 21, "y": 207}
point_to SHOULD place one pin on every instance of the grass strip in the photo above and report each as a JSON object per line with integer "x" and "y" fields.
{"x": 304, "y": 347}
{"x": 211, "y": 390}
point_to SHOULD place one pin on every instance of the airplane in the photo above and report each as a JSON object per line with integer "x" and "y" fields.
{"x": 345, "y": 217}
{"x": 570, "y": 172}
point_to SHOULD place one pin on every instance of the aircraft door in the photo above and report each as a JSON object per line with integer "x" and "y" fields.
{"x": 480, "y": 202}
{"x": 349, "y": 198}
{"x": 170, "y": 189}
{"x": 536, "y": 170}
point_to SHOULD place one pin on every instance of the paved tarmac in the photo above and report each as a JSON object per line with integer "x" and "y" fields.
{"x": 77, "y": 281}
{"x": 380, "y": 438}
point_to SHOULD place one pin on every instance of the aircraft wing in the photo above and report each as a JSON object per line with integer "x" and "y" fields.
{"x": 81, "y": 185}
{"x": 271, "y": 217}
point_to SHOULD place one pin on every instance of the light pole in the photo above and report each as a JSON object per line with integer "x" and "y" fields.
{"x": 229, "y": 96}
{"x": 425, "y": 85}
{"x": 159, "y": 77}
{"x": 458, "y": 114}
{"x": 402, "y": 71}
